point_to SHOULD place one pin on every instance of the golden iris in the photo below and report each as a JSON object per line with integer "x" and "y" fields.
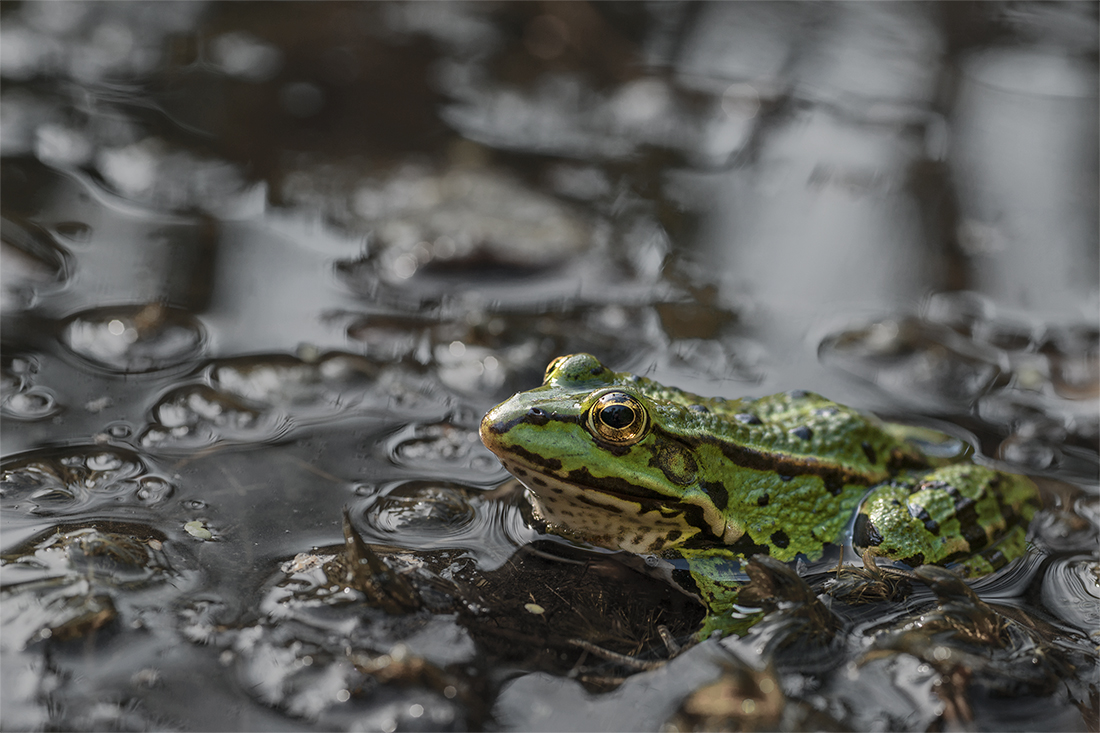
{"x": 618, "y": 418}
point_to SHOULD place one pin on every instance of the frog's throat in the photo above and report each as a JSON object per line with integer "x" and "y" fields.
{"x": 620, "y": 522}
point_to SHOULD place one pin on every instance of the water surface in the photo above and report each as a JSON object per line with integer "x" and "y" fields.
{"x": 266, "y": 265}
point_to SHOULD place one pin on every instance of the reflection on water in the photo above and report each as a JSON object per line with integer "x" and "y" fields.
{"x": 132, "y": 340}
{"x": 265, "y": 265}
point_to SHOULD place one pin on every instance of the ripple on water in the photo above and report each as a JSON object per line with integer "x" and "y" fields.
{"x": 255, "y": 399}
{"x": 428, "y": 515}
{"x": 418, "y": 506}
{"x": 20, "y": 397}
{"x": 197, "y": 416}
{"x": 135, "y": 339}
{"x": 440, "y": 446}
{"x": 33, "y": 262}
{"x": 53, "y": 482}
{"x": 1070, "y": 522}
{"x": 1071, "y": 590}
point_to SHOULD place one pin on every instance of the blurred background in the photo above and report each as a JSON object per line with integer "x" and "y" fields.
{"x": 265, "y": 261}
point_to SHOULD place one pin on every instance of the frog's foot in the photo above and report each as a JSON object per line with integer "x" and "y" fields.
{"x": 640, "y": 665}
{"x": 871, "y": 583}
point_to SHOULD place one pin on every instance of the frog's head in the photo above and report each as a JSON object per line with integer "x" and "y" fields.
{"x": 598, "y": 452}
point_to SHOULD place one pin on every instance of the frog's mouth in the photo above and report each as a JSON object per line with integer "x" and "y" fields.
{"x": 610, "y": 519}
{"x": 605, "y": 516}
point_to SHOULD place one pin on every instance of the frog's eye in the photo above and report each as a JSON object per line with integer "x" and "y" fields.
{"x": 618, "y": 418}
{"x": 551, "y": 367}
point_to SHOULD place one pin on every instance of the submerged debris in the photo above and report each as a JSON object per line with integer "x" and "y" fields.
{"x": 63, "y": 584}
{"x": 979, "y": 650}
{"x": 797, "y": 627}
{"x": 742, "y": 699}
{"x": 364, "y": 571}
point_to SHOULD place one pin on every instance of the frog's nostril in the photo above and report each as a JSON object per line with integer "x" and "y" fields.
{"x": 537, "y": 416}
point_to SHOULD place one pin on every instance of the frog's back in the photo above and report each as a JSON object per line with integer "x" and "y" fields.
{"x": 796, "y": 427}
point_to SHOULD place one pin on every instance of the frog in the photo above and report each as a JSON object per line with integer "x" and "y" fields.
{"x": 704, "y": 484}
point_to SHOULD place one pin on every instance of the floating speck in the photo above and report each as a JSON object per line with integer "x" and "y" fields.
{"x": 198, "y": 530}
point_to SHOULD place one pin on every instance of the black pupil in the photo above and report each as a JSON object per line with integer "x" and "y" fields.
{"x": 617, "y": 416}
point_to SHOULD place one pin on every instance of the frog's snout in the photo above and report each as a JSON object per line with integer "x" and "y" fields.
{"x": 485, "y": 431}
{"x": 491, "y": 428}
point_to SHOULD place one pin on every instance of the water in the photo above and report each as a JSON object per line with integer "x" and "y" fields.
{"x": 266, "y": 266}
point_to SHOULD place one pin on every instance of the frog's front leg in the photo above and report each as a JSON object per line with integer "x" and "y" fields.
{"x": 716, "y": 576}
{"x": 963, "y": 513}
{"x": 765, "y": 588}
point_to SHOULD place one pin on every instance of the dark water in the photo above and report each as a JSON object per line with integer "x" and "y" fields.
{"x": 265, "y": 265}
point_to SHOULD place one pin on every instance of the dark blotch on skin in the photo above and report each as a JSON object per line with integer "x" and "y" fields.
{"x": 921, "y": 515}
{"x": 967, "y": 514}
{"x": 865, "y": 533}
{"x": 833, "y": 485}
{"x": 717, "y": 492}
{"x": 702, "y": 409}
{"x": 519, "y": 471}
{"x": 615, "y": 485}
{"x": 748, "y": 418}
{"x": 803, "y": 432}
{"x": 869, "y": 451}
{"x": 742, "y": 455}
{"x": 900, "y": 460}
{"x": 915, "y": 561}
{"x": 763, "y": 500}
{"x": 684, "y": 579}
{"x": 780, "y": 539}
{"x": 673, "y": 535}
{"x": 534, "y": 458}
{"x": 601, "y": 507}
{"x": 537, "y": 481}
{"x": 747, "y": 548}
{"x": 783, "y": 477}
{"x": 1011, "y": 516}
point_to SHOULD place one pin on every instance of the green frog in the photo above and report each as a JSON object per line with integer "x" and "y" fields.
{"x": 623, "y": 462}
